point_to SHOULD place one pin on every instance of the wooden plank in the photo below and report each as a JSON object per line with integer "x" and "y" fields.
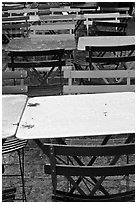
{"x": 97, "y": 89}
{"x": 54, "y": 26}
{"x": 14, "y": 75}
{"x": 111, "y": 170}
{"x": 84, "y": 150}
{"x": 14, "y": 89}
{"x": 99, "y": 74}
{"x": 52, "y": 63}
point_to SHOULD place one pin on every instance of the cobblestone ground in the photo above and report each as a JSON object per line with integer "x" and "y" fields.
{"x": 38, "y": 185}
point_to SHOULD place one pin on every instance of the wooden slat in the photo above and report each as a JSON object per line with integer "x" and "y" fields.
{"x": 72, "y": 89}
{"x": 15, "y": 18}
{"x": 111, "y": 60}
{"x": 99, "y": 74}
{"x": 114, "y": 9}
{"x": 14, "y": 89}
{"x": 110, "y": 24}
{"x": 54, "y": 26}
{"x": 109, "y": 33}
{"x": 110, "y": 49}
{"x": 15, "y": 26}
{"x": 11, "y": 89}
{"x": 58, "y": 52}
{"x": 97, "y": 89}
{"x": 111, "y": 170}
{"x": 53, "y": 63}
{"x": 14, "y": 75}
{"x": 58, "y": 17}
{"x": 78, "y": 150}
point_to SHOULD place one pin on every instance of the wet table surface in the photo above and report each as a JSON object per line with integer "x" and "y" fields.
{"x": 12, "y": 109}
{"x": 78, "y": 115}
{"x": 44, "y": 42}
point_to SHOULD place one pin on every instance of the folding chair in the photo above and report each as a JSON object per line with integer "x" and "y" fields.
{"x": 111, "y": 58}
{"x": 16, "y": 26}
{"x": 109, "y": 28}
{"x": 39, "y": 64}
{"x": 53, "y": 28}
{"x": 12, "y": 144}
{"x": 94, "y": 173}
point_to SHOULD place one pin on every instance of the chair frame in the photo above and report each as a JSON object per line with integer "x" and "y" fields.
{"x": 70, "y": 169}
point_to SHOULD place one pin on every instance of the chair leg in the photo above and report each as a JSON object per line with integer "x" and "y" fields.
{"x": 22, "y": 174}
{"x": 127, "y": 177}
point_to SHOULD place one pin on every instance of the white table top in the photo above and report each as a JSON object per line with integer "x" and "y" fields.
{"x": 78, "y": 115}
{"x": 12, "y": 109}
{"x": 105, "y": 41}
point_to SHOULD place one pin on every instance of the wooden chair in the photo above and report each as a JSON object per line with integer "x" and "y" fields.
{"x": 86, "y": 81}
{"x": 9, "y": 86}
{"x": 58, "y": 18}
{"x": 90, "y": 173}
{"x": 107, "y": 69}
{"x": 15, "y": 26}
{"x": 39, "y": 64}
{"x": 109, "y": 28}
{"x": 8, "y": 195}
{"x": 116, "y": 56}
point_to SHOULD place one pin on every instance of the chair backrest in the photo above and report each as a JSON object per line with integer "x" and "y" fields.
{"x": 8, "y": 195}
{"x": 90, "y": 18}
{"x": 111, "y": 55}
{"x": 58, "y": 18}
{"x": 115, "y": 9}
{"x": 83, "y": 165}
{"x": 37, "y": 63}
{"x": 15, "y": 26}
{"x": 109, "y": 28}
{"x": 9, "y": 86}
{"x": 44, "y": 60}
{"x": 63, "y": 27}
{"x": 76, "y": 84}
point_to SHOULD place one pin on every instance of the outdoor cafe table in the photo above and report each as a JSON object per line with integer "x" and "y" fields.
{"x": 12, "y": 110}
{"x": 64, "y": 116}
{"x": 105, "y": 41}
{"x": 42, "y": 43}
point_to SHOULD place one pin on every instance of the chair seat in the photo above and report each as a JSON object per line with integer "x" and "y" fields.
{"x": 68, "y": 197}
{"x": 13, "y": 144}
